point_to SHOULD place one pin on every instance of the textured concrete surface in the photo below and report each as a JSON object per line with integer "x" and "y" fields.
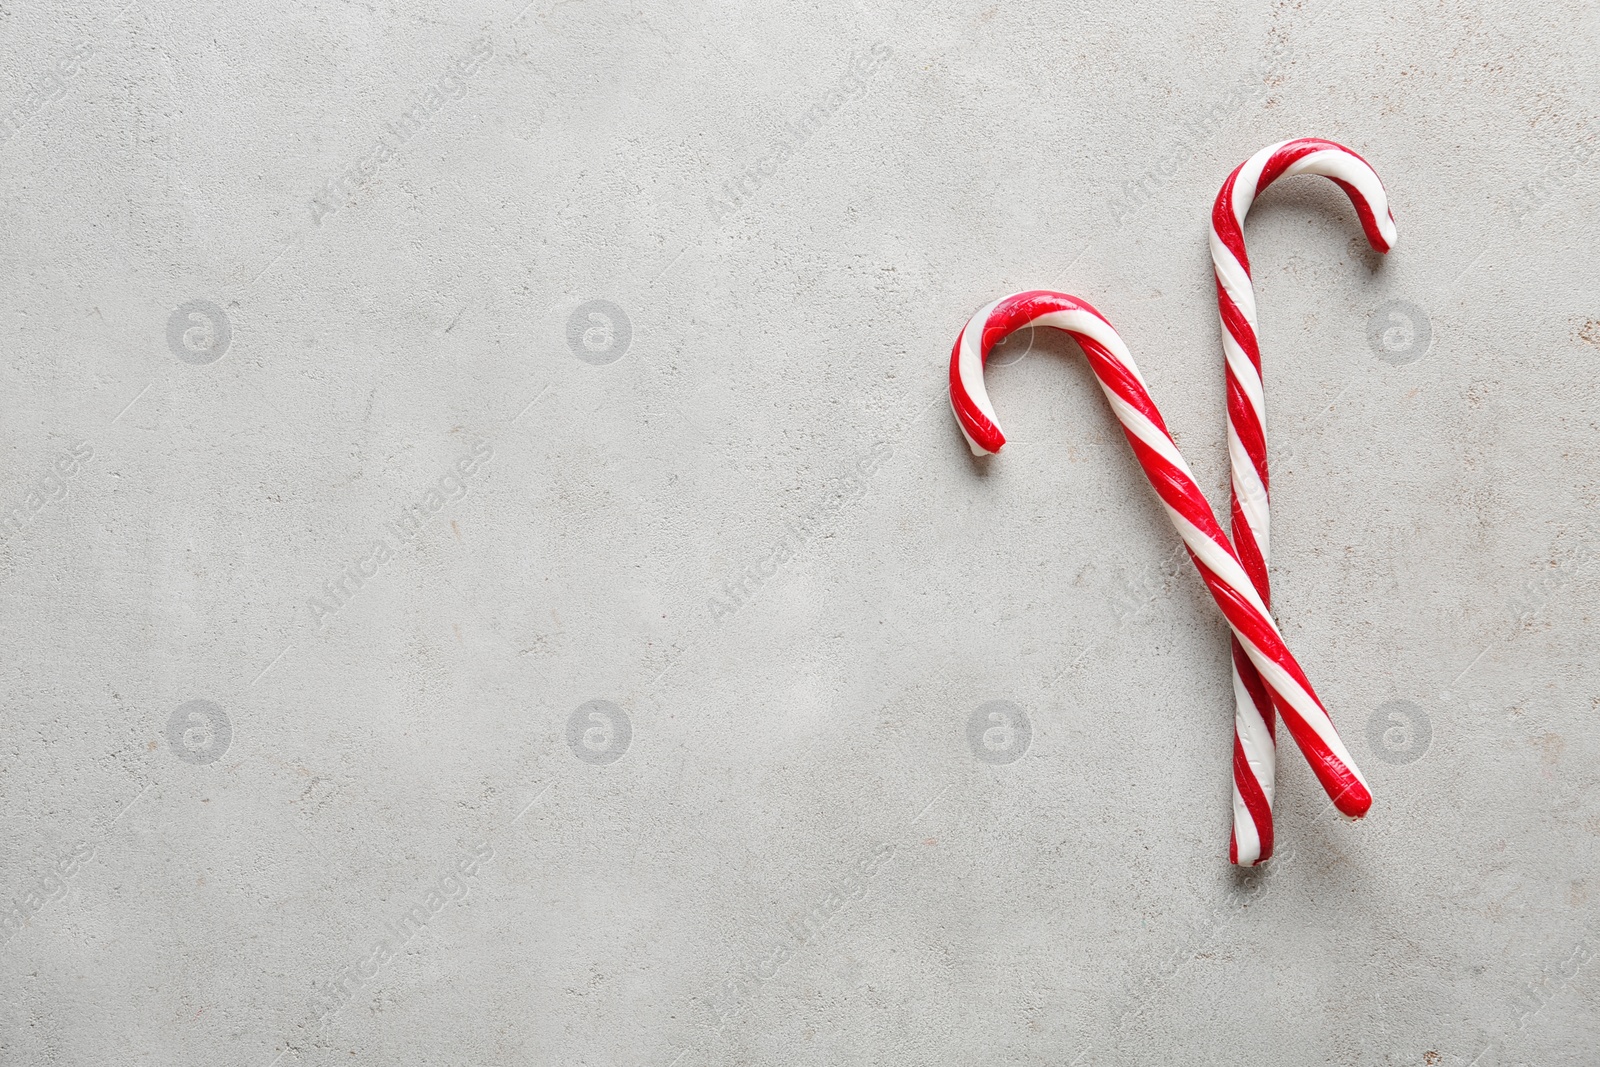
{"x": 491, "y": 579}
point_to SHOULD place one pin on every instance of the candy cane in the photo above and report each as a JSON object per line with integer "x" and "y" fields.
{"x": 1186, "y": 506}
{"x": 1254, "y": 755}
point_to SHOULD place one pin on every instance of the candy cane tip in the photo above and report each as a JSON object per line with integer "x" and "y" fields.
{"x": 1389, "y": 233}
{"x": 1256, "y": 853}
{"x": 1353, "y": 804}
{"x": 984, "y": 439}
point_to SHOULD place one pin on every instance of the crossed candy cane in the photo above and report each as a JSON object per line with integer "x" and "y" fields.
{"x": 1186, "y": 506}
{"x": 1254, "y": 752}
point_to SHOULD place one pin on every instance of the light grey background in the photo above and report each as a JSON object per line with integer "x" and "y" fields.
{"x": 753, "y": 534}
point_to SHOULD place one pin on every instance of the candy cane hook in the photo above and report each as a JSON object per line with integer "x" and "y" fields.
{"x": 1254, "y": 755}
{"x": 1186, "y": 507}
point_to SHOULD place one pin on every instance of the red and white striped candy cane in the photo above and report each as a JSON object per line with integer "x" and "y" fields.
{"x": 1185, "y": 504}
{"x": 1254, "y": 757}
